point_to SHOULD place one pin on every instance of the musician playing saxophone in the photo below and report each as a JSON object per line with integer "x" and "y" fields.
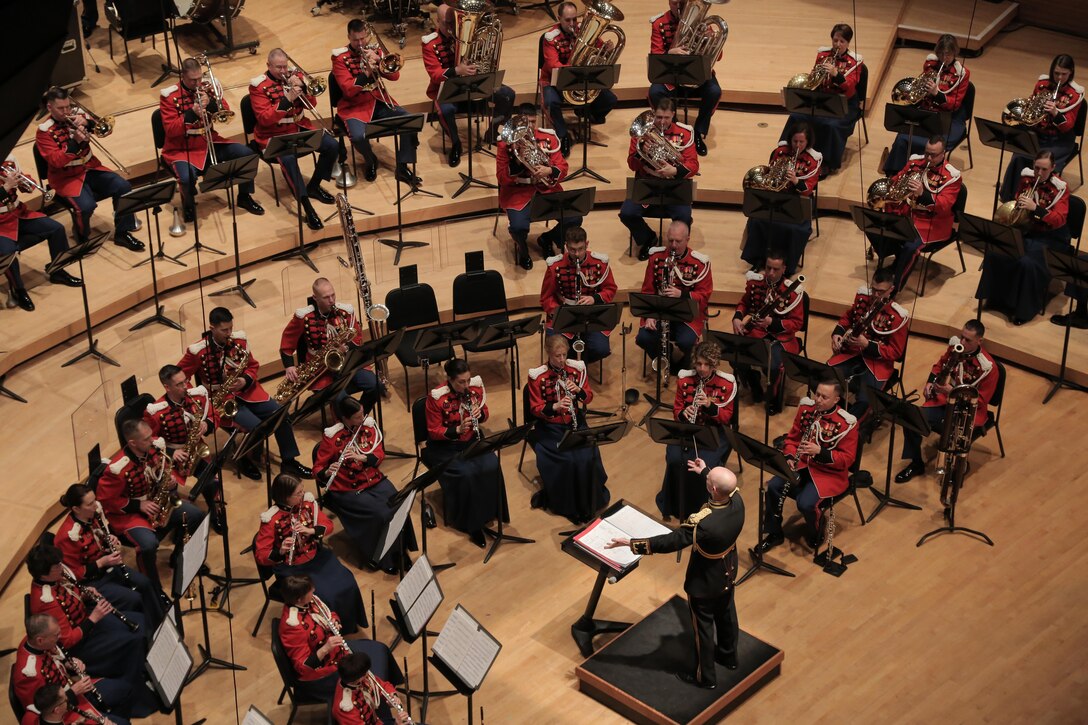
{"x": 976, "y": 367}
{"x": 357, "y": 700}
{"x": 313, "y": 640}
{"x": 439, "y": 58}
{"x": 579, "y": 277}
{"x": 680, "y": 136}
{"x": 821, "y": 447}
{"x": 678, "y": 271}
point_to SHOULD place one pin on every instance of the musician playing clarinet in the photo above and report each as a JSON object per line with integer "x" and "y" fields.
{"x": 51, "y": 706}
{"x": 821, "y": 447}
{"x": 290, "y": 541}
{"x": 361, "y": 697}
{"x": 312, "y": 636}
{"x": 578, "y": 277}
{"x": 347, "y": 464}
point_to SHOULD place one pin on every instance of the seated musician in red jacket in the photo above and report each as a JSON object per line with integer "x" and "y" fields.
{"x": 363, "y": 698}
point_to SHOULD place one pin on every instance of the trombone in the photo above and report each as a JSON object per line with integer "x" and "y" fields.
{"x": 312, "y": 85}
{"x": 97, "y": 126}
{"x": 315, "y": 85}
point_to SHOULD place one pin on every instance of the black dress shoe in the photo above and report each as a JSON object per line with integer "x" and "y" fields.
{"x": 689, "y": 678}
{"x": 218, "y": 519}
{"x": 188, "y": 214}
{"x": 700, "y": 145}
{"x": 728, "y": 660}
{"x": 477, "y": 537}
{"x": 914, "y": 468}
{"x": 250, "y": 204}
{"x": 538, "y": 500}
{"x": 643, "y": 253}
{"x": 313, "y": 221}
{"x": 371, "y": 171}
{"x": 428, "y": 517}
{"x": 1079, "y": 322}
{"x": 61, "y": 276}
{"x": 564, "y": 146}
{"x": 523, "y": 259}
{"x": 295, "y": 468}
{"x": 405, "y": 176}
{"x": 769, "y": 542}
{"x": 129, "y": 242}
{"x": 454, "y": 157}
{"x": 22, "y": 298}
{"x": 316, "y": 192}
{"x": 249, "y": 469}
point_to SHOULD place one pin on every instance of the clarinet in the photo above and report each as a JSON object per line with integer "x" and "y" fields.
{"x": 92, "y": 716}
{"x": 75, "y": 674}
{"x": 94, "y": 598}
{"x": 665, "y": 357}
{"x": 562, "y": 392}
{"x": 691, "y": 413}
{"x": 324, "y": 617}
{"x": 810, "y": 432}
{"x": 106, "y": 542}
{"x": 294, "y": 542}
{"x": 394, "y": 703}
{"x": 466, "y": 410}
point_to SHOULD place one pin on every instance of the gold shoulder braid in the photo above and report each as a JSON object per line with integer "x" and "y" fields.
{"x": 698, "y": 516}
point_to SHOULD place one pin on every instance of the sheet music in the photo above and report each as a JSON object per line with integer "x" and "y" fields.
{"x": 415, "y": 581}
{"x": 424, "y": 607}
{"x": 169, "y": 662}
{"x": 396, "y": 525}
{"x": 637, "y": 525}
{"x": 466, "y": 647}
{"x": 418, "y": 595}
{"x": 193, "y": 555}
{"x": 594, "y": 538}
{"x": 255, "y": 717}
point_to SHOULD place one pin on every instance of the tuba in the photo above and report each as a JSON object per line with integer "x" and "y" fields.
{"x": 956, "y": 437}
{"x": 771, "y": 177}
{"x": 479, "y": 35}
{"x": 883, "y": 192}
{"x": 1028, "y": 111}
{"x": 517, "y": 134}
{"x": 699, "y": 34}
{"x": 597, "y": 21}
{"x": 813, "y": 79}
{"x": 1011, "y": 215}
{"x": 652, "y": 146}
{"x": 912, "y": 91}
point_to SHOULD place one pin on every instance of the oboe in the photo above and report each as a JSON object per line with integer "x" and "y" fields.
{"x": 394, "y": 702}
{"x": 94, "y": 598}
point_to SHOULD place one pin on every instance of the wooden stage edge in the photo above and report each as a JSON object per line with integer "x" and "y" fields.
{"x": 988, "y": 23}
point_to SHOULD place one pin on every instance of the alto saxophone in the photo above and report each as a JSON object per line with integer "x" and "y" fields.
{"x": 161, "y": 493}
{"x": 222, "y": 398}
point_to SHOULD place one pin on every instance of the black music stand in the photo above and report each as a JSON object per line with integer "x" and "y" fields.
{"x": 814, "y": 104}
{"x": 469, "y": 90}
{"x": 294, "y": 144}
{"x": 990, "y": 238}
{"x": 257, "y": 439}
{"x": 907, "y": 119}
{"x": 76, "y": 255}
{"x": 485, "y": 446}
{"x": 898, "y": 411}
{"x": 580, "y": 320}
{"x": 510, "y": 331}
{"x": 169, "y": 17}
{"x": 585, "y": 78}
{"x": 674, "y": 310}
{"x": 448, "y": 335}
{"x": 1017, "y": 139}
{"x": 786, "y": 207}
{"x": 678, "y": 71}
{"x": 660, "y": 193}
{"x": 146, "y": 199}
{"x": 1072, "y": 270}
{"x": 327, "y": 394}
{"x": 810, "y": 372}
{"x": 225, "y": 175}
{"x": 765, "y": 458}
{"x": 887, "y": 232}
{"x": 419, "y": 485}
{"x": 378, "y": 351}
{"x": 229, "y": 46}
{"x": 561, "y": 205}
{"x": 591, "y": 437}
{"x": 667, "y": 431}
{"x": 160, "y": 253}
{"x": 754, "y": 352}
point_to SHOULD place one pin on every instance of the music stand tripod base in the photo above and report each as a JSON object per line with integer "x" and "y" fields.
{"x": 4, "y": 391}
{"x": 400, "y": 245}
{"x": 240, "y": 289}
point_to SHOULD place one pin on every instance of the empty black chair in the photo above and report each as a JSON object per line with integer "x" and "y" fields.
{"x": 134, "y": 20}
{"x": 412, "y": 307}
{"x": 482, "y": 295}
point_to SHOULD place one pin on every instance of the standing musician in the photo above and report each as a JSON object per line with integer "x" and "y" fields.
{"x": 866, "y": 344}
{"x": 679, "y": 137}
{"x": 821, "y": 447}
{"x": 558, "y": 44}
{"x": 280, "y": 99}
{"x": 76, "y": 174}
{"x": 307, "y": 333}
{"x": 802, "y": 173}
{"x": 579, "y": 277}
{"x": 1064, "y": 101}
{"x": 346, "y": 463}
{"x": 473, "y": 489}
{"x": 712, "y": 534}
{"x": 312, "y": 636}
{"x": 946, "y": 82}
{"x": 21, "y": 229}
{"x": 93, "y": 555}
{"x": 840, "y": 69}
{"x": 930, "y": 204}
{"x": 126, "y": 489}
{"x": 574, "y": 482}
{"x": 1021, "y": 287}
{"x": 290, "y": 541}
{"x": 223, "y": 353}
{"x": 51, "y": 706}
{"x": 439, "y": 54}
{"x": 704, "y": 396}
{"x": 779, "y": 325}
{"x": 361, "y": 70}
{"x": 663, "y": 29}
{"x": 357, "y": 699}
{"x": 188, "y": 109}
{"x": 675, "y": 270}
{"x": 524, "y": 172}
{"x": 172, "y": 417}
{"x": 974, "y": 366}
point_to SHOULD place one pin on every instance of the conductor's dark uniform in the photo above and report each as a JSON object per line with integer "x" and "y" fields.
{"x": 712, "y": 533}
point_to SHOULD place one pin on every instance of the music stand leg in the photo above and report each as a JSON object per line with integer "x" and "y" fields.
{"x": 758, "y": 562}
{"x": 586, "y": 628}
{"x": 158, "y": 317}
{"x": 468, "y": 179}
{"x": 399, "y": 244}
{"x": 207, "y": 660}
{"x": 303, "y": 249}
{"x": 92, "y": 344}
{"x": 1060, "y": 381}
{"x": 9, "y": 394}
{"x": 885, "y": 499}
{"x": 585, "y": 170}
{"x": 655, "y": 401}
{"x": 498, "y": 532}
{"x": 239, "y": 286}
{"x": 168, "y": 68}
{"x": 161, "y": 253}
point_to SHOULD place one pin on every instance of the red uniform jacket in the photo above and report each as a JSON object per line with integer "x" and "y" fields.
{"x": 788, "y": 316}
{"x": 61, "y": 601}
{"x": 275, "y": 115}
{"x": 352, "y": 475}
{"x": 978, "y": 371}
{"x": 357, "y": 103}
{"x": 33, "y": 670}
{"x": 183, "y": 125}
{"x": 1069, "y": 102}
{"x": 662, "y": 31}
{"x": 124, "y": 485}
{"x": 682, "y": 138}
{"x": 558, "y": 47}
{"x": 563, "y": 282}
{"x": 359, "y": 705}
{"x": 720, "y": 388}
{"x": 516, "y": 187}
{"x": 12, "y": 210}
{"x": 439, "y": 52}
{"x": 951, "y": 85}
{"x": 838, "y": 439}
{"x": 544, "y": 393}
{"x": 444, "y": 411}
{"x": 32, "y": 717}
{"x": 690, "y": 273}
{"x": 932, "y": 215}
{"x": 67, "y": 159}
{"x": 171, "y": 420}
{"x": 276, "y": 527}
{"x": 1052, "y": 198}
{"x": 887, "y": 334}
{"x": 302, "y": 636}
{"x": 807, "y": 167}
{"x": 849, "y": 64}
{"x": 80, "y": 546}
{"x": 207, "y": 360}
{"x": 308, "y": 330}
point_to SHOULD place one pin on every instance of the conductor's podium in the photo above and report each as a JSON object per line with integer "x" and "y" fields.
{"x": 635, "y": 673}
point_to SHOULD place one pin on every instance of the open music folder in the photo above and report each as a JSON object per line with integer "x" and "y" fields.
{"x": 628, "y": 522}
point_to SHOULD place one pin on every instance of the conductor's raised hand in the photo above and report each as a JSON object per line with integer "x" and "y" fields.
{"x": 697, "y": 465}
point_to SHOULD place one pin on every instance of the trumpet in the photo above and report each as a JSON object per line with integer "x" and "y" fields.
{"x": 10, "y": 170}
{"x": 97, "y": 127}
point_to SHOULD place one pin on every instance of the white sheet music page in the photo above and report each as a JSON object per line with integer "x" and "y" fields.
{"x": 169, "y": 660}
{"x": 636, "y": 524}
{"x": 414, "y": 582}
{"x": 466, "y": 647}
{"x": 255, "y": 717}
{"x": 594, "y": 538}
{"x": 424, "y": 607}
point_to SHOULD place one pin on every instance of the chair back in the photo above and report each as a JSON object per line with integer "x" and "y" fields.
{"x": 862, "y": 88}
{"x": 960, "y": 204}
{"x": 411, "y": 306}
{"x": 476, "y": 292}
{"x": 39, "y": 164}
{"x": 132, "y": 410}
{"x": 1078, "y": 125}
{"x": 1075, "y": 219}
{"x": 419, "y": 419}
{"x": 335, "y": 93}
{"x": 283, "y": 662}
{"x": 999, "y": 391}
{"x": 13, "y": 700}
{"x": 249, "y": 118}
{"x": 264, "y": 572}
{"x": 968, "y": 105}
{"x": 158, "y": 131}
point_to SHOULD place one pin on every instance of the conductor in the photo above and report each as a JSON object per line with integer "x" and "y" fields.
{"x": 712, "y": 532}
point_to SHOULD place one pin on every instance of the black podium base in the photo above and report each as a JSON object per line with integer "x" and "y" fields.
{"x": 635, "y": 674}
{"x": 584, "y": 630}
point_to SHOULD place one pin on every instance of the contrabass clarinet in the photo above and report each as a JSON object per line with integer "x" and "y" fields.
{"x": 664, "y": 360}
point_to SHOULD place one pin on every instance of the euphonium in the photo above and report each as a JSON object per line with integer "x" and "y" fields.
{"x": 479, "y": 35}
{"x": 771, "y": 177}
{"x": 814, "y": 78}
{"x": 517, "y": 134}
{"x": 599, "y": 15}
{"x": 652, "y": 147}
{"x": 883, "y": 192}
{"x": 327, "y": 357}
{"x": 912, "y": 90}
{"x": 956, "y": 436}
{"x": 1028, "y": 111}
{"x": 699, "y": 34}
{"x": 1011, "y": 215}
